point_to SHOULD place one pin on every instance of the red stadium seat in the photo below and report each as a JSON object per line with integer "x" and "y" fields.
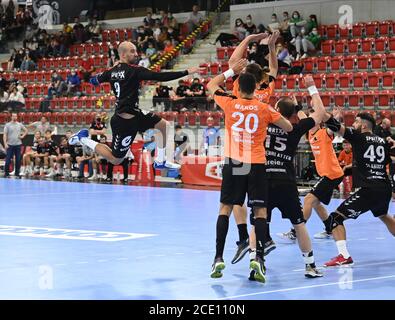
{"x": 369, "y": 99}
{"x": 354, "y": 46}
{"x": 309, "y": 65}
{"x": 368, "y": 45}
{"x": 340, "y": 98}
{"x": 345, "y": 31}
{"x": 336, "y": 63}
{"x": 373, "y": 79}
{"x": 217, "y": 116}
{"x": 377, "y": 61}
{"x": 381, "y": 44}
{"x": 363, "y": 62}
{"x": 354, "y": 100}
{"x": 192, "y": 118}
{"x": 332, "y": 31}
{"x": 230, "y": 51}
{"x": 384, "y": 28}
{"x": 291, "y": 81}
{"x": 221, "y": 53}
{"x": 345, "y": 80}
{"x": 105, "y": 88}
{"x": 340, "y": 46}
{"x": 214, "y": 68}
{"x": 359, "y": 80}
{"x": 388, "y": 79}
{"x": 357, "y": 30}
{"x": 90, "y": 116}
{"x": 181, "y": 118}
{"x": 349, "y": 117}
{"x": 327, "y": 47}
{"x": 390, "y": 61}
{"x": 372, "y": 28}
{"x": 224, "y": 66}
{"x": 203, "y": 118}
{"x": 331, "y": 81}
{"x": 323, "y": 63}
{"x": 386, "y": 99}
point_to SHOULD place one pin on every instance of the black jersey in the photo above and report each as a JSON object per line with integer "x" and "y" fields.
{"x": 371, "y": 154}
{"x": 42, "y": 148}
{"x": 63, "y": 149}
{"x": 182, "y": 91}
{"x": 35, "y": 145}
{"x": 281, "y": 147}
{"x": 51, "y": 147}
{"x": 97, "y": 125}
{"x": 125, "y": 83}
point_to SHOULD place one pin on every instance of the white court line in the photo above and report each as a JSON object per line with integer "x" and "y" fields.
{"x": 354, "y": 266}
{"x": 120, "y": 259}
{"x": 307, "y": 287}
{"x": 362, "y": 239}
{"x": 380, "y": 238}
{"x": 102, "y": 260}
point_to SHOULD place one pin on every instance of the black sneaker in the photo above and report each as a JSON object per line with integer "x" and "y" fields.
{"x": 218, "y": 266}
{"x": 242, "y": 248}
{"x": 259, "y": 267}
{"x": 269, "y": 247}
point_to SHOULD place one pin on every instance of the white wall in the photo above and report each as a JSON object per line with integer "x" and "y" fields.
{"x": 326, "y": 10}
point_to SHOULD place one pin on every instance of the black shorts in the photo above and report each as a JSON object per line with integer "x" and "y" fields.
{"x": 366, "y": 199}
{"x": 251, "y": 180}
{"x": 283, "y": 195}
{"x": 323, "y": 189}
{"x": 124, "y": 131}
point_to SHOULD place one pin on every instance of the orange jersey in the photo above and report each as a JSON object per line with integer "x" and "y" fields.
{"x": 345, "y": 158}
{"x": 246, "y": 124}
{"x": 326, "y": 161}
{"x": 263, "y": 95}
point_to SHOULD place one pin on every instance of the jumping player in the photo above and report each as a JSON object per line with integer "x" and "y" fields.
{"x": 264, "y": 90}
{"x": 244, "y": 172}
{"x": 128, "y": 118}
{"x": 282, "y": 189}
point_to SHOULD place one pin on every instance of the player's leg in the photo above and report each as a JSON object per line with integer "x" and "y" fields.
{"x": 389, "y": 221}
{"x": 257, "y": 200}
{"x": 240, "y": 215}
{"x": 161, "y": 141}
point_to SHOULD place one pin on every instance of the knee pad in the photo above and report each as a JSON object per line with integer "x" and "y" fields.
{"x": 333, "y": 221}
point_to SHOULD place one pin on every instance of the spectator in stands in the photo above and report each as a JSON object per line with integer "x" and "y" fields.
{"x": 195, "y": 18}
{"x": 41, "y": 157}
{"x": 181, "y": 142}
{"x": 296, "y": 24}
{"x": 284, "y": 25}
{"x": 151, "y": 52}
{"x": 73, "y": 82}
{"x": 53, "y": 153}
{"x": 79, "y": 31}
{"x": 163, "y": 96}
{"x": 181, "y": 95}
{"x": 4, "y": 83}
{"x": 163, "y": 36}
{"x": 85, "y": 159}
{"x": 345, "y": 158}
{"x": 211, "y": 139}
{"x": 283, "y": 56}
{"x": 311, "y": 24}
{"x": 249, "y": 25}
{"x": 168, "y": 46}
{"x": 229, "y": 39}
{"x": 86, "y": 67}
{"x": 30, "y": 32}
{"x": 16, "y": 100}
{"x": 275, "y": 23}
{"x": 144, "y": 61}
{"x": 41, "y": 126}
{"x": 58, "y": 85}
{"x": 164, "y": 18}
{"x": 173, "y": 34}
{"x": 10, "y": 65}
{"x": 93, "y": 30}
{"x": 14, "y": 132}
{"x": 197, "y": 88}
{"x": 3, "y": 99}
{"x": 142, "y": 38}
{"x": 28, "y": 64}
{"x": 67, "y": 29}
{"x": 113, "y": 55}
{"x": 173, "y": 23}
{"x": 18, "y": 59}
{"x": 98, "y": 128}
{"x": 148, "y": 20}
{"x": 156, "y": 29}
{"x": 28, "y": 156}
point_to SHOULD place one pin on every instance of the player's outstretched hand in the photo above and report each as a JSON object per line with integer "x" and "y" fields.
{"x": 308, "y": 80}
{"x": 257, "y": 37}
{"x": 391, "y": 142}
{"x": 239, "y": 66}
{"x": 337, "y": 112}
{"x": 273, "y": 38}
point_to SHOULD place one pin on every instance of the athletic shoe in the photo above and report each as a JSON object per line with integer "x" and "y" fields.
{"x": 242, "y": 248}
{"x": 323, "y": 235}
{"x": 339, "y": 261}
{"x": 218, "y": 266}
{"x": 75, "y": 138}
{"x": 289, "y": 236}
{"x": 51, "y": 174}
{"x": 166, "y": 165}
{"x": 311, "y": 272}
{"x": 258, "y": 266}
{"x": 269, "y": 247}
{"x": 93, "y": 177}
{"x": 109, "y": 180}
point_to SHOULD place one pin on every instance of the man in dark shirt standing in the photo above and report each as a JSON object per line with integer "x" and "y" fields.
{"x": 198, "y": 92}
{"x": 163, "y": 95}
{"x": 371, "y": 154}
{"x": 128, "y": 118}
{"x": 97, "y": 129}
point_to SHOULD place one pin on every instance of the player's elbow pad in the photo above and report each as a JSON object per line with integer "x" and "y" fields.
{"x": 94, "y": 81}
{"x": 333, "y": 124}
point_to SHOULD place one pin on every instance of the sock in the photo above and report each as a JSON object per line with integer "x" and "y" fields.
{"x": 308, "y": 258}
{"x": 243, "y": 233}
{"x": 342, "y": 248}
{"x": 125, "y": 167}
{"x": 268, "y": 237}
{"x": 89, "y": 143}
{"x": 222, "y": 231}
{"x": 253, "y": 254}
{"x": 160, "y": 157}
{"x": 260, "y": 231}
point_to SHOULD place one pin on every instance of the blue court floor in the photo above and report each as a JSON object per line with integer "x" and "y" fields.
{"x": 62, "y": 240}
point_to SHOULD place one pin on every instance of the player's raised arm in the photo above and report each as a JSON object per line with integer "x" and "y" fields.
{"x": 273, "y": 62}
{"x": 145, "y": 74}
{"x": 319, "y": 114}
{"x": 238, "y": 54}
{"x": 216, "y": 82}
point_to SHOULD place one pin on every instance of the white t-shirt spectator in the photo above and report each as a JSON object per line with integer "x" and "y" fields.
{"x": 17, "y": 97}
{"x": 195, "y": 18}
{"x": 4, "y": 98}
